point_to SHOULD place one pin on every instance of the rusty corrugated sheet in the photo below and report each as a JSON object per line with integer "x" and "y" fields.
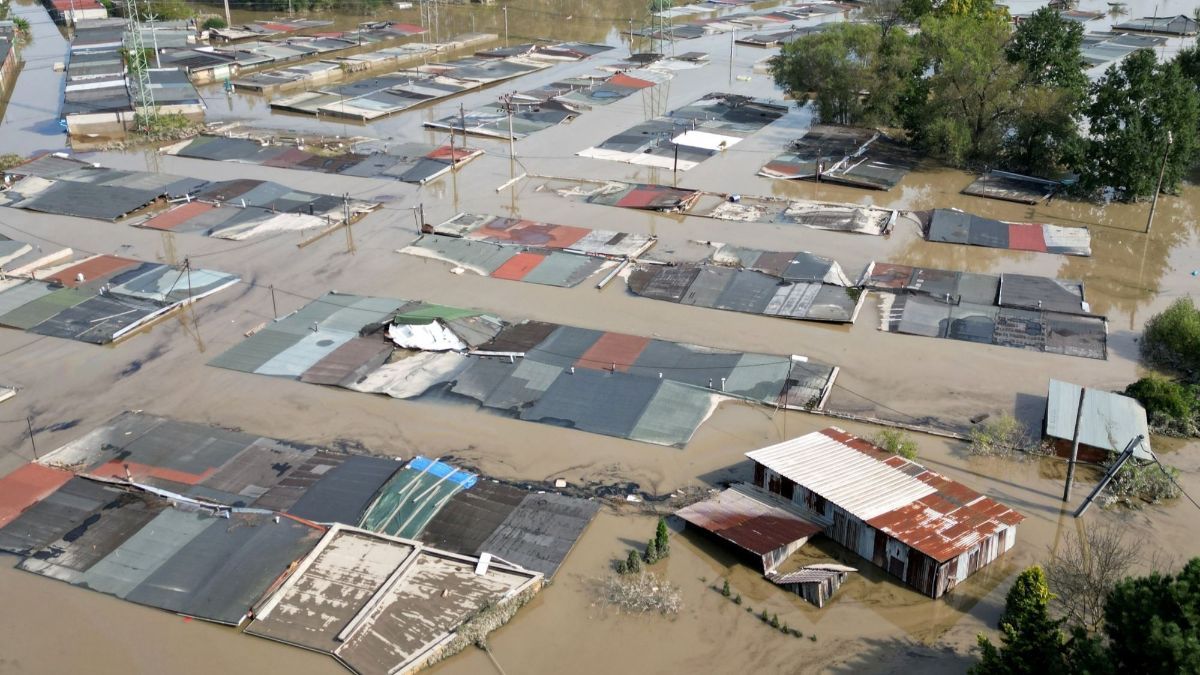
{"x": 613, "y": 351}
{"x": 169, "y": 220}
{"x": 750, "y": 518}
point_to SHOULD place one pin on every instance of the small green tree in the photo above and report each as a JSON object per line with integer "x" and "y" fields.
{"x": 896, "y": 442}
{"x": 1030, "y": 640}
{"x": 1172, "y": 340}
{"x": 633, "y": 562}
{"x": 662, "y": 541}
{"x": 725, "y": 588}
{"x": 764, "y": 616}
{"x": 651, "y": 556}
{"x": 774, "y": 621}
{"x": 214, "y": 22}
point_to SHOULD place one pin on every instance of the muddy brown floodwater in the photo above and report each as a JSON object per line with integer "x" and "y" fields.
{"x": 873, "y": 625}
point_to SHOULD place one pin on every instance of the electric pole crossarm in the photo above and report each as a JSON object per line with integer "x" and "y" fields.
{"x": 1122, "y": 458}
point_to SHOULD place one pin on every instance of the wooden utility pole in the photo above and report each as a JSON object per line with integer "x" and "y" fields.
{"x": 1158, "y": 188}
{"x": 1074, "y": 446}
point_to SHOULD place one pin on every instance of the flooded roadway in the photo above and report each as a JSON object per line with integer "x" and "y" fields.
{"x": 874, "y": 624}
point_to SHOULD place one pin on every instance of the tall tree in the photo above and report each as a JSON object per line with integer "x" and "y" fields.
{"x": 962, "y": 111}
{"x": 1044, "y": 138}
{"x": 1153, "y": 622}
{"x": 835, "y": 65}
{"x": 1141, "y": 111}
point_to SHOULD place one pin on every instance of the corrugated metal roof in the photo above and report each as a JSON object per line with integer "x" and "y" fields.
{"x": 750, "y": 518}
{"x": 922, "y": 509}
{"x": 1109, "y": 422}
{"x": 811, "y": 574}
{"x": 827, "y": 463}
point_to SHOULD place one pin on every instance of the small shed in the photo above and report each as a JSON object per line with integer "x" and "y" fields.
{"x": 815, "y": 583}
{"x": 1110, "y": 421}
{"x": 755, "y": 521}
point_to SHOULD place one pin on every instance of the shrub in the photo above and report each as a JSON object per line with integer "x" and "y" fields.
{"x": 633, "y": 562}
{"x": 725, "y": 589}
{"x": 1001, "y": 437}
{"x": 1172, "y": 339}
{"x": 214, "y": 22}
{"x": 774, "y": 621}
{"x": 765, "y": 618}
{"x": 737, "y": 599}
{"x": 662, "y": 541}
{"x": 651, "y": 556}
{"x": 1144, "y": 482}
{"x": 897, "y": 442}
{"x": 1172, "y": 407}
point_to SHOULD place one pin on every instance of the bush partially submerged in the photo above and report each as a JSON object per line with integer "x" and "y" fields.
{"x": 1003, "y": 436}
{"x": 1172, "y": 340}
{"x": 1171, "y": 407}
{"x": 1145, "y": 482}
{"x": 640, "y": 593}
{"x": 897, "y": 442}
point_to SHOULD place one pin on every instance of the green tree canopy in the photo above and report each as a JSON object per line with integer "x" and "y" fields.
{"x": 962, "y": 111}
{"x": 857, "y": 72}
{"x": 1153, "y": 622}
{"x": 1139, "y": 108}
{"x": 1031, "y": 641}
{"x": 1172, "y": 340}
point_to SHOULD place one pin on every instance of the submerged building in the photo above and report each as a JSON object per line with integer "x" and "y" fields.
{"x": 927, "y": 530}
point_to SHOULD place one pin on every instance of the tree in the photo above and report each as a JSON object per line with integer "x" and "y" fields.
{"x": 856, "y": 72}
{"x": 633, "y": 562}
{"x": 962, "y": 111}
{"x": 1141, "y": 112}
{"x": 1004, "y": 436}
{"x": 1188, "y": 61}
{"x": 1045, "y": 134}
{"x": 1084, "y": 570}
{"x": 725, "y": 589}
{"x": 1172, "y": 340}
{"x": 1173, "y": 408}
{"x": 214, "y": 22}
{"x": 1031, "y": 641}
{"x": 1153, "y": 622}
{"x": 662, "y": 542}
{"x": 651, "y": 556}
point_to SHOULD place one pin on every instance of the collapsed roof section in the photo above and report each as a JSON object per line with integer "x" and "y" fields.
{"x": 845, "y": 155}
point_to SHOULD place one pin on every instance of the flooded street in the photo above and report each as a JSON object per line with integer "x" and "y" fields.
{"x": 874, "y": 624}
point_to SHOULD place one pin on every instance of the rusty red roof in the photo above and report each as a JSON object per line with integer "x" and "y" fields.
{"x": 92, "y": 269}
{"x": 751, "y": 518}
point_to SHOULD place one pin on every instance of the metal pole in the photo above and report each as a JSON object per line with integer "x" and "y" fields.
{"x": 512, "y": 142}
{"x": 228, "y": 18}
{"x": 421, "y": 207}
{"x": 1161, "y": 172}
{"x": 506, "y": 25}
{"x": 462, "y": 120}
{"x": 732, "y": 41}
{"x": 1112, "y": 471}
{"x": 631, "y": 36}
{"x": 274, "y": 307}
{"x": 675, "y": 169}
{"x": 29, "y": 423}
{"x": 1074, "y": 446}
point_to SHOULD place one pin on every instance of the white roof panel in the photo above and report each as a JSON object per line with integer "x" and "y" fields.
{"x": 849, "y": 478}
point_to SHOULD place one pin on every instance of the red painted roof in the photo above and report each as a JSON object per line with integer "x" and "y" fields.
{"x": 92, "y": 269}
{"x": 530, "y": 233}
{"x": 169, "y": 220}
{"x": 1026, "y": 237}
{"x": 623, "y": 80}
{"x": 25, "y": 487}
{"x": 140, "y": 472}
{"x": 407, "y": 28}
{"x": 516, "y": 267}
{"x": 613, "y": 349}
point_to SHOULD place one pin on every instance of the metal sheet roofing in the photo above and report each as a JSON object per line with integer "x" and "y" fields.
{"x": 750, "y": 518}
{"x": 1110, "y": 421}
{"x": 828, "y": 463}
{"x": 26, "y": 486}
{"x": 343, "y": 493}
{"x": 920, "y": 508}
